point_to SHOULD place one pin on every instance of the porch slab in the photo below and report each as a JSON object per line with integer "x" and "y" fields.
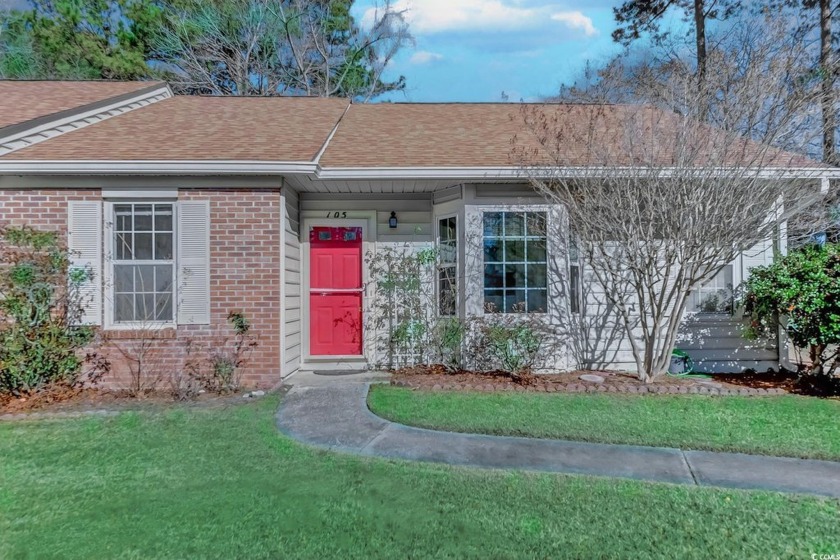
{"x": 318, "y": 376}
{"x": 324, "y": 416}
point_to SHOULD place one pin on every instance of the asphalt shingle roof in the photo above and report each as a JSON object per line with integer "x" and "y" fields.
{"x": 404, "y": 135}
{"x": 202, "y": 128}
{"x": 22, "y": 101}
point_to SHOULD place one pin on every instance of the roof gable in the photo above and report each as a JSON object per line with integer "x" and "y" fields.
{"x": 24, "y": 101}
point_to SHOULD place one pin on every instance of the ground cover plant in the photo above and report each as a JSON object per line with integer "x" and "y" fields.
{"x": 786, "y": 426}
{"x": 222, "y": 483}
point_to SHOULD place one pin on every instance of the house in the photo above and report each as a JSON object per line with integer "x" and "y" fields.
{"x": 188, "y": 208}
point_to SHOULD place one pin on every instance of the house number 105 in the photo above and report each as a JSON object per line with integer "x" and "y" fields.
{"x": 336, "y": 214}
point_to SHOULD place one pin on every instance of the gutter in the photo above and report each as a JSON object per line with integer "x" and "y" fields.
{"x": 193, "y": 167}
{"x": 315, "y": 172}
{"x": 548, "y": 172}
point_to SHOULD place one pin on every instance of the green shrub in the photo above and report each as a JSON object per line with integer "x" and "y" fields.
{"x": 800, "y": 292}
{"x": 512, "y": 348}
{"x": 450, "y": 340}
{"x": 41, "y": 341}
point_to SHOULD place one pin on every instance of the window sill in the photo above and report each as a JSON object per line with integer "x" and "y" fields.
{"x": 708, "y": 317}
{"x": 512, "y": 314}
{"x": 166, "y": 332}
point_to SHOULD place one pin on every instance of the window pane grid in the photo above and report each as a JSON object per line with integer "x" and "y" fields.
{"x": 574, "y": 288}
{"x": 715, "y": 295}
{"x": 143, "y": 264}
{"x": 575, "y": 294}
{"x": 515, "y": 262}
{"x": 448, "y": 266}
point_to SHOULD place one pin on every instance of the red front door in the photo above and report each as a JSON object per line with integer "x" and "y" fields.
{"x": 335, "y": 291}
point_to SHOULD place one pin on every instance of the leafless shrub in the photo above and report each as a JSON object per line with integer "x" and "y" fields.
{"x": 228, "y": 355}
{"x": 144, "y": 352}
{"x": 185, "y": 381}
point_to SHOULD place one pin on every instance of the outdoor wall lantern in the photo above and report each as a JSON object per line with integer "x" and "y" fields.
{"x": 392, "y": 221}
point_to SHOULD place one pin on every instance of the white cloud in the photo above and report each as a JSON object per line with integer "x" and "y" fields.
{"x": 576, "y": 20}
{"x": 440, "y": 16}
{"x": 425, "y": 57}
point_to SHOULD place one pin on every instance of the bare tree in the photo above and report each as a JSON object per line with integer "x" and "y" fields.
{"x": 815, "y": 27}
{"x": 660, "y": 197}
{"x": 828, "y": 71}
{"x": 347, "y": 64}
{"x": 279, "y": 47}
{"x": 636, "y": 18}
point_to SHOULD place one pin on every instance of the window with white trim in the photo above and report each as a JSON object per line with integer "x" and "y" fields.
{"x": 448, "y": 266}
{"x": 515, "y": 262}
{"x": 143, "y": 263}
{"x": 715, "y": 295}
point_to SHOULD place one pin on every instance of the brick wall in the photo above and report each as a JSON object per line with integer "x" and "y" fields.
{"x": 245, "y": 271}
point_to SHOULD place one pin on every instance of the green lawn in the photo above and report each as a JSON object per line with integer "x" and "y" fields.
{"x": 786, "y": 426}
{"x": 222, "y": 483}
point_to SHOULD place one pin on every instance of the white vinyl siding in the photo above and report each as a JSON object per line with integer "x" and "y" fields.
{"x": 760, "y": 254}
{"x": 414, "y": 213}
{"x": 292, "y": 270}
{"x": 85, "y": 245}
{"x": 193, "y": 262}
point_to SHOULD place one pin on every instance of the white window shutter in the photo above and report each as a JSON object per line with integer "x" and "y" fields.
{"x": 84, "y": 240}
{"x": 194, "y": 262}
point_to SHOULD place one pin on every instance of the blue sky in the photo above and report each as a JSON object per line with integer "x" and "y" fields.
{"x": 473, "y": 50}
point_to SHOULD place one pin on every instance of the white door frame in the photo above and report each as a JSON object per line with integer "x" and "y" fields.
{"x": 368, "y": 225}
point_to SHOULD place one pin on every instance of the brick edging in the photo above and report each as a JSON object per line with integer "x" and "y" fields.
{"x": 588, "y": 388}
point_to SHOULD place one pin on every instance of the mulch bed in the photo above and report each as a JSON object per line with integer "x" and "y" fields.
{"x": 436, "y": 378}
{"x": 74, "y": 401}
{"x": 762, "y": 380}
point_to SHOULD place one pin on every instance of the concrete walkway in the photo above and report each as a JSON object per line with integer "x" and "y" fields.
{"x": 334, "y": 415}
